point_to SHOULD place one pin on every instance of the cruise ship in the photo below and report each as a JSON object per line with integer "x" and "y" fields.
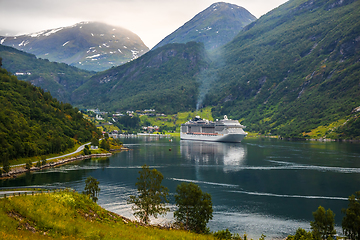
{"x": 225, "y": 130}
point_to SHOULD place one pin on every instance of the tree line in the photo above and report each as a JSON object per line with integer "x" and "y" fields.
{"x": 324, "y": 221}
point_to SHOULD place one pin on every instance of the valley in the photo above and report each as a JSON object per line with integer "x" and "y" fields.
{"x": 86, "y": 92}
{"x": 290, "y": 72}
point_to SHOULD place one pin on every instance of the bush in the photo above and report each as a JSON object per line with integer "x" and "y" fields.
{"x": 86, "y": 150}
{"x": 38, "y": 164}
{"x": 301, "y": 234}
{"x": 223, "y": 234}
{"x": 92, "y": 188}
{"x": 43, "y": 160}
{"x": 323, "y": 224}
{"x": 194, "y": 207}
{"x": 351, "y": 221}
{"x": 28, "y": 165}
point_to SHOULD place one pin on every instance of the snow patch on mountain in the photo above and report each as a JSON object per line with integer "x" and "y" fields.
{"x": 106, "y": 42}
{"x": 24, "y": 43}
{"x": 45, "y": 33}
{"x": 38, "y": 34}
{"x": 134, "y": 54}
{"x": 94, "y": 56}
{"x": 53, "y": 31}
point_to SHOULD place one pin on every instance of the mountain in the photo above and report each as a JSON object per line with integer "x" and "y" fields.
{"x": 165, "y": 78}
{"x": 215, "y": 26}
{"x": 294, "y": 72}
{"x": 92, "y": 46}
{"x": 33, "y": 123}
{"x": 59, "y": 79}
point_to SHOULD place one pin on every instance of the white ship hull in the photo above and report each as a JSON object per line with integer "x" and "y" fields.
{"x": 230, "y": 137}
{"x": 225, "y": 130}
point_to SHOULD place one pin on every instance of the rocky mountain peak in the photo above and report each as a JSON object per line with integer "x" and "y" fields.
{"x": 215, "y": 26}
{"x": 87, "y": 45}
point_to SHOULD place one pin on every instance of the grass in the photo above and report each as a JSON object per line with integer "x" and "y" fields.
{"x": 70, "y": 215}
{"x": 203, "y": 113}
{"x": 323, "y": 131}
{"x": 176, "y": 120}
{"x": 108, "y": 128}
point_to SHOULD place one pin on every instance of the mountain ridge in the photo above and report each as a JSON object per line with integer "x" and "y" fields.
{"x": 214, "y": 26}
{"x": 91, "y": 46}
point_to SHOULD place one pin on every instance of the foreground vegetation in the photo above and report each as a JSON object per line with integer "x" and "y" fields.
{"x": 323, "y": 226}
{"x": 70, "y": 215}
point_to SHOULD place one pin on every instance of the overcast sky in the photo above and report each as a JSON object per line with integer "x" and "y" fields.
{"x": 151, "y": 20}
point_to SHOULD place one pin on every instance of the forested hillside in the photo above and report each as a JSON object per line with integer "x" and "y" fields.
{"x": 34, "y": 123}
{"x": 165, "y": 79}
{"x": 294, "y": 70}
{"x": 59, "y": 79}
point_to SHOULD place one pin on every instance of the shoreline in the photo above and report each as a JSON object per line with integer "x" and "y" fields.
{"x": 17, "y": 171}
{"x": 304, "y": 139}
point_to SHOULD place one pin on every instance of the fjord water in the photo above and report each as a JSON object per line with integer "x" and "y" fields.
{"x": 257, "y": 186}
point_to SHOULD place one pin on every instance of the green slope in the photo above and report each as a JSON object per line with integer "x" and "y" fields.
{"x": 293, "y": 70}
{"x": 70, "y": 215}
{"x": 33, "y": 123}
{"x": 59, "y": 79}
{"x": 164, "y": 79}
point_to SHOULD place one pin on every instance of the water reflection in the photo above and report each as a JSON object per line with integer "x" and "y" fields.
{"x": 226, "y": 154}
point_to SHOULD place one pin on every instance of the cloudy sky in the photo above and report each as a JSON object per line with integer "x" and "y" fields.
{"x": 151, "y": 20}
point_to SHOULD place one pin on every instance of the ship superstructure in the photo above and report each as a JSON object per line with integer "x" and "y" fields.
{"x": 225, "y": 130}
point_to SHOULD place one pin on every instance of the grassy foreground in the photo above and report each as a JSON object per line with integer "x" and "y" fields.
{"x": 70, "y": 215}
